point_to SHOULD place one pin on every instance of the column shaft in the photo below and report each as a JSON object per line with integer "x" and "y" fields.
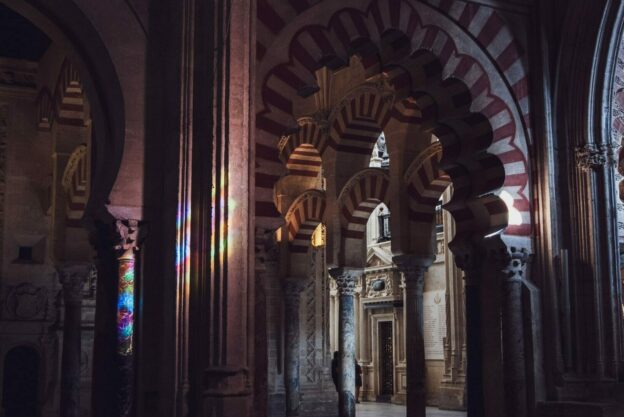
{"x": 125, "y": 332}
{"x": 415, "y": 348}
{"x": 70, "y": 361}
{"x": 474, "y": 365}
{"x": 292, "y": 293}
{"x": 346, "y": 329}
{"x": 514, "y": 360}
{"x": 414, "y": 269}
{"x": 346, "y": 280}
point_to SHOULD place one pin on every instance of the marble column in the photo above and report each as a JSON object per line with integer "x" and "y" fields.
{"x": 72, "y": 279}
{"x": 127, "y": 233}
{"x": 413, "y": 269}
{"x": 346, "y": 280}
{"x": 514, "y": 361}
{"x": 292, "y": 297}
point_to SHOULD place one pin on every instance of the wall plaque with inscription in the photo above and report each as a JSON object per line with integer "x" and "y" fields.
{"x": 434, "y": 309}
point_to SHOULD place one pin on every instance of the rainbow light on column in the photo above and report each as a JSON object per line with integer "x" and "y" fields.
{"x": 125, "y": 307}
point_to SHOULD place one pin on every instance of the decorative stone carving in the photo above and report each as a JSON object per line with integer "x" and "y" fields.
{"x": 26, "y": 302}
{"x": 345, "y": 280}
{"x": 592, "y": 156}
{"x": 379, "y": 286}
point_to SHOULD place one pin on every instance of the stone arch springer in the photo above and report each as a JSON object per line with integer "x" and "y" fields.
{"x": 353, "y": 28}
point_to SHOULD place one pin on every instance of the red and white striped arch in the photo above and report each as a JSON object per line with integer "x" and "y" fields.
{"x": 425, "y": 183}
{"x": 75, "y": 182}
{"x": 69, "y": 97}
{"x": 359, "y": 197}
{"x": 358, "y": 122}
{"x": 471, "y": 43}
{"x": 67, "y": 105}
{"x": 301, "y": 151}
{"x": 302, "y": 218}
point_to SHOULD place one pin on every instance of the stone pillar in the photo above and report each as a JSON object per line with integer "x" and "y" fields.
{"x": 292, "y": 297}
{"x": 413, "y": 269}
{"x": 471, "y": 264}
{"x": 346, "y": 280}
{"x": 127, "y": 233}
{"x": 514, "y": 361}
{"x": 71, "y": 278}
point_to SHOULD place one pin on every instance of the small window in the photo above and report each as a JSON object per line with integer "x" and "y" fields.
{"x": 439, "y": 219}
{"x": 384, "y": 227}
{"x": 25, "y": 254}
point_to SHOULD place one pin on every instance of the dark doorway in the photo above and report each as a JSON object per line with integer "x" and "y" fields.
{"x": 386, "y": 362}
{"x": 20, "y": 382}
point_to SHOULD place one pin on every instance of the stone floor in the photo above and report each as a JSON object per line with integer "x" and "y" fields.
{"x": 392, "y": 410}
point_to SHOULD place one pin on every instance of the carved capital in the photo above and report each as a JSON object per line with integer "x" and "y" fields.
{"x": 267, "y": 251}
{"x": 126, "y": 236}
{"x": 592, "y": 156}
{"x": 413, "y": 267}
{"x": 517, "y": 260}
{"x": 73, "y": 279}
{"x": 346, "y": 279}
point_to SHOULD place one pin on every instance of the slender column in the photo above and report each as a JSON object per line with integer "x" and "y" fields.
{"x": 346, "y": 279}
{"x": 127, "y": 231}
{"x": 292, "y": 297}
{"x": 471, "y": 263}
{"x": 414, "y": 269}
{"x": 72, "y": 278}
{"x": 514, "y": 362}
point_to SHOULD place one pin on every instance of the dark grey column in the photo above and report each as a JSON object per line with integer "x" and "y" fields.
{"x": 413, "y": 269}
{"x": 514, "y": 360}
{"x": 292, "y": 297}
{"x": 346, "y": 279}
{"x": 71, "y": 278}
{"x": 471, "y": 262}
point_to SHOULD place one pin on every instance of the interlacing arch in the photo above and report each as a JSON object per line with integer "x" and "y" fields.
{"x": 441, "y": 78}
{"x": 303, "y": 217}
{"x": 357, "y": 200}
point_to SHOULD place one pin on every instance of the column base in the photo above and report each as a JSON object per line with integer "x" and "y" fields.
{"x": 319, "y": 404}
{"x": 277, "y": 404}
{"x": 452, "y": 396}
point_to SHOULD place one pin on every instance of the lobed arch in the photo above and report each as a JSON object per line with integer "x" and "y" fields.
{"x": 468, "y": 82}
{"x": 303, "y": 217}
{"x": 359, "y": 197}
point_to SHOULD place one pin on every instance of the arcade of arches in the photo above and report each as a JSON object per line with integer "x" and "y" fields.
{"x": 277, "y": 208}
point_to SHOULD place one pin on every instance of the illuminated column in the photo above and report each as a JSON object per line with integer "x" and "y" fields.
{"x": 292, "y": 297}
{"x": 346, "y": 279}
{"x": 71, "y": 278}
{"x": 127, "y": 231}
{"x": 514, "y": 361}
{"x": 413, "y": 269}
